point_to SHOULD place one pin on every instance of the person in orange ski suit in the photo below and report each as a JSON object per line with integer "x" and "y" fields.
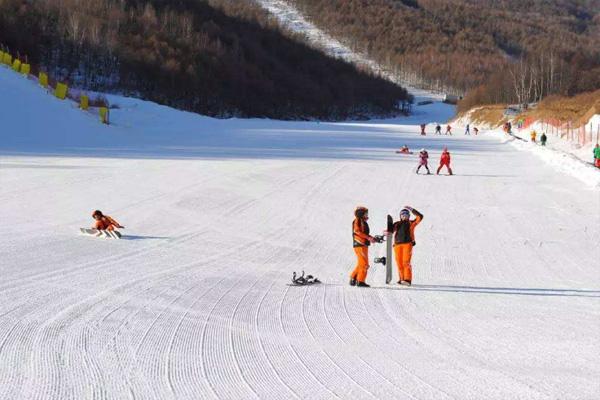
{"x": 104, "y": 222}
{"x": 444, "y": 160}
{"x": 361, "y": 241}
{"x": 404, "y": 240}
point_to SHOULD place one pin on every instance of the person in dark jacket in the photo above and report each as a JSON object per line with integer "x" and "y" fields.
{"x": 404, "y": 241}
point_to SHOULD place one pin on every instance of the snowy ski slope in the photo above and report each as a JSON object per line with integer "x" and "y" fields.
{"x": 194, "y": 302}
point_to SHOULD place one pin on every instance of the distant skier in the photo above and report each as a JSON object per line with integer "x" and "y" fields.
{"x": 475, "y": 130}
{"x": 438, "y": 129}
{"x": 444, "y": 161}
{"x": 423, "y": 157}
{"x": 448, "y": 130}
{"x": 467, "y": 131}
{"x": 597, "y": 155}
{"x": 533, "y": 135}
{"x": 404, "y": 240}
{"x": 543, "y": 138}
{"x": 404, "y": 150}
{"x": 423, "y": 129}
{"x": 104, "y": 222}
{"x": 361, "y": 241}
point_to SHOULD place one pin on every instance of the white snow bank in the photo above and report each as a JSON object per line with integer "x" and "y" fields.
{"x": 555, "y": 142}
{"x": 558, "y": 159}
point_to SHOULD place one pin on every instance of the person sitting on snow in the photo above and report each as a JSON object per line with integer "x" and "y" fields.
{"x": 405, "y": 149}
{"x": 104, "y": 222}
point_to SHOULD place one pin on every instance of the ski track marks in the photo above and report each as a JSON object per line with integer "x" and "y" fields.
{"x": 498, "y": 308}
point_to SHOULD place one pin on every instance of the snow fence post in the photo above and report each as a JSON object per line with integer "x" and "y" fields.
{"x": 43, "y": 79}
{"x": 25, "y": 69}
{"x": 103, "y": 111}
{"x": 84, "y": 102}
{"x": 61, "y": 91}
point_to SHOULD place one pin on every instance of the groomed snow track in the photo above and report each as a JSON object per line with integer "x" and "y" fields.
{"x": 194, "y": 301}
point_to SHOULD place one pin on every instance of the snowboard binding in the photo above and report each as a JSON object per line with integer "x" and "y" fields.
{"x": 304, "y": 280}
{"x": 380, "y": 260}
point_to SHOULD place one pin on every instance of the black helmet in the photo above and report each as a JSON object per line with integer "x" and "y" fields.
{"x": 360, "y": 211}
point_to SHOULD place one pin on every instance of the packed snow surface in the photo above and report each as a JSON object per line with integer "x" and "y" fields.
{"x": 194, "y": 301}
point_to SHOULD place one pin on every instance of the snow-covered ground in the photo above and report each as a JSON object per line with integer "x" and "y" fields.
{"x": 194, "y": 302}
{"x": 563, "y": 145}
{"x": 563, "y": 155}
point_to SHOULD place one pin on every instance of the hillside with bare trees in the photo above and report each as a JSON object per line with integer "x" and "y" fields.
{"x": 214, "y": 57}
{"x": 491, "y": 51}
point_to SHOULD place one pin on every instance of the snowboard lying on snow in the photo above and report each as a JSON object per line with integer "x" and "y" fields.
{"x": 99, "y": 233}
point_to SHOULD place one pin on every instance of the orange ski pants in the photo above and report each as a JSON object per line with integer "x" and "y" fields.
{"x": 403, "y": 254}
{"x": 362, "y": 264}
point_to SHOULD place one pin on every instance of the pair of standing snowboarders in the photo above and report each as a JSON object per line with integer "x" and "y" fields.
{"x": 401, "y": 232}
{"x": 444, "y": 161}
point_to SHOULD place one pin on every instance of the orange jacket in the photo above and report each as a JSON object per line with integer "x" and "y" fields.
{"x": 106, "y": 222}
{"x": 360, "y": 233}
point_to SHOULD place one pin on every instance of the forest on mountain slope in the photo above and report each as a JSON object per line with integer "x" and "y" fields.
{"x": 494, "y": 51}
{"x": 217, "y": 57}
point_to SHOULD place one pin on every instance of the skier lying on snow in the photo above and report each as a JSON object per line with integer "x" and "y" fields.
{"x": 404, "y": 240}
{"x": 104, "y": 222}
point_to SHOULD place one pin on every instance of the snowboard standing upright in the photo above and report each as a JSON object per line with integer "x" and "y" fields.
{"x": 389, "y": 239}
{"x": 388, "y": 260}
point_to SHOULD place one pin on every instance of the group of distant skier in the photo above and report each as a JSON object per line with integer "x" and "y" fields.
{"x": 438, "y": 129}
{"x": 403, "y": 233}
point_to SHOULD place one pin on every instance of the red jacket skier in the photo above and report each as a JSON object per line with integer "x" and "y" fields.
{"x": 445, "y": 161}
